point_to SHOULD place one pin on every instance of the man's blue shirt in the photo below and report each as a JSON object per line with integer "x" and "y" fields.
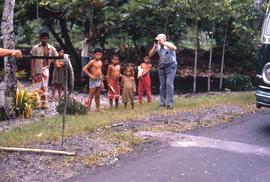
{"x": 166, "y": 55}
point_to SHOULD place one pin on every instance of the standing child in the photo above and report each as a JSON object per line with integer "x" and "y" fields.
{"x": 144, "y": 80}
{"x": 129, "y": 86}
{"x": 93, "y": 71}
{"x": 105, "y": 65}
{"x": 58, "y": 76}
{"x": 113, "y": 76}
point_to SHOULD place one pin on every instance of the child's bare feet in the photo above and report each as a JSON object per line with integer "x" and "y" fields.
{"x": 86, "y": 103}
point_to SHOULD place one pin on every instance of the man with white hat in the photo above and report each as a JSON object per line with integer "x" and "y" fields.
{"x": 167, "y": 69}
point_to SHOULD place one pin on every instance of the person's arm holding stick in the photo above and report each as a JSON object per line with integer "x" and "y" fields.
{"x": 17, "y": 54}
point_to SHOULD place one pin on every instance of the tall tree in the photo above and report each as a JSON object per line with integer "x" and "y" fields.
{"x": 211, "y": 46}
{"x": 198, "y": 11}
{"x": 223, "y": 55}
{"x": 228, "y": 14}
{"x": 10, "y": 66}
{"x": 196, "y": 42}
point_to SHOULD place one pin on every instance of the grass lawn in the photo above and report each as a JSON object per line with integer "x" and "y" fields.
{"x": 49, "y": 129}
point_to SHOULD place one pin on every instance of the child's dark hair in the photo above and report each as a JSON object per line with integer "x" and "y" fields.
{"x": 58, "y": 49}
{"x": 115, "y": 56}
{"x": 97, "y": 50}
{"x": 129, "y": 68}
{"x": 86, "y": 31}
{"x": 147, "y": 56}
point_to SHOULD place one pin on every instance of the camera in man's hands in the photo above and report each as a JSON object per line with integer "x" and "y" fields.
{"x": 156, "y": 41}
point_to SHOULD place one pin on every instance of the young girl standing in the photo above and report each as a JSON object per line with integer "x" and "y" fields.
{"x": 58, "y": 76}
{"x": 145, "y": 80}
{"x": 129, "y": 87}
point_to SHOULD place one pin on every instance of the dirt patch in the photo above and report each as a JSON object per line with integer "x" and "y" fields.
{"x": 201, "y": 117}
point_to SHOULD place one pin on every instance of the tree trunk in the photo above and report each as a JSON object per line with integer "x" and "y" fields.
{"x": 196, "y": 56}
{"x": 210, "y": 64}
{"x": 56, "y": 36}
{"x": 10, "y": 66}
{"x": 166, "y": 25}
{"x": 211, "y": 53}
{"x": 138, "y": 50}
{"x": 70, "y": 49}
{"x": 223, "y": 56}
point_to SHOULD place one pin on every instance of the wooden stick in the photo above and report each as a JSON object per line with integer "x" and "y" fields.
{"x": 41, "y": 57}
{"x": 65, "y": 106}
{"x": 14, "y": 149}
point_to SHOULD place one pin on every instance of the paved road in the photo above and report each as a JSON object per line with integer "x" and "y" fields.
{"x": 233, "y": 152}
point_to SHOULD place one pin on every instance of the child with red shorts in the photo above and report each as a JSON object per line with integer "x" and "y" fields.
{"x": 144, "y": 80}
{"x": 113, "y": 76}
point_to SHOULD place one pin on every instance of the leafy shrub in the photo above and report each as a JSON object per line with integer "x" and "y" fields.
{"x": 237, "y": 82}
{"x": 20, "y": 74}
{"x": 25, "y": 101}
{"x": 73, "y": 107}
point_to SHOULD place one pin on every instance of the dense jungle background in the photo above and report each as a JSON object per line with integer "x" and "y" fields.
{"x": 216, "y": 39}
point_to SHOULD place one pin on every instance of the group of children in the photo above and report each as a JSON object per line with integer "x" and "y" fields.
{"x": 116, "y": 81}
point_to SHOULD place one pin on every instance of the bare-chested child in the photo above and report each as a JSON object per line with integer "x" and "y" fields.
{"x": 93, "y": 71}
{"x": 113, "y": 75}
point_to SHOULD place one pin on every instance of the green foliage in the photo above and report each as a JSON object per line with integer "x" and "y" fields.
{"x": 130, "y": 26}
{"x": 237, "y": 82}
{"x": 25, "y": 101}
{"x": 20, "y": 74}
{"x": 73, "y": 107}
{"x": 244, "y": 36}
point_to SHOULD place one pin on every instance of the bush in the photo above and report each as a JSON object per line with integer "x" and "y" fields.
{"x": 237, "y": 82}
{"x": 20, "y": 75}
{"x": 25, "y": 101}
{"x": 73, "y": 107}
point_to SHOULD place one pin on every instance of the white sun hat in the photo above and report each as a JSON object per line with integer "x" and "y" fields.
{"x": 163, "y": 36}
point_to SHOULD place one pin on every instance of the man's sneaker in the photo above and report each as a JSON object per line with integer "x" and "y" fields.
{"x": 169, "y": 107}
{"x": 161, "y": 105}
